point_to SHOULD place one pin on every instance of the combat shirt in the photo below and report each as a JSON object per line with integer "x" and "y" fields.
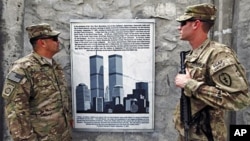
{"x": 37, "y": 100}
{"x": 218, "y": 80}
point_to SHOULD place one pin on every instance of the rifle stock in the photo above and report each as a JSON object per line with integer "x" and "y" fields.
{"x": 185, "y": 107}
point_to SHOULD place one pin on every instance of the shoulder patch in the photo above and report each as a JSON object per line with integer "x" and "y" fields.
{"x": 9, "y": 88}
{"x": 218, "y": 65}
{"x": 13, "y": 76}
{"x": 225, "y": 79}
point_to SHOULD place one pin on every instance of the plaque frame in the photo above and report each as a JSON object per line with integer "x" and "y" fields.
{"x": 113, "y": 89}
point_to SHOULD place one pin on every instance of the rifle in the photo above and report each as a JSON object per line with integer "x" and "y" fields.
{"x": 185, "y": 107}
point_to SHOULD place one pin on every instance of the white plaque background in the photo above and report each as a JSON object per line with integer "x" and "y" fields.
{"x": 93, "y": 37}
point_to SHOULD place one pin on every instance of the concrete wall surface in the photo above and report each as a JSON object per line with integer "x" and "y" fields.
{"x": 232, "y": 28}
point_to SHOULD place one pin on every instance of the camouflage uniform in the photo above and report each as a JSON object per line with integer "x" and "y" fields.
{"x": 218, "y": 83}
{"x": 37, "y": 101}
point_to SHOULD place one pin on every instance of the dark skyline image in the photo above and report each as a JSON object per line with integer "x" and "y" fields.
{"x": 111, "y": 100}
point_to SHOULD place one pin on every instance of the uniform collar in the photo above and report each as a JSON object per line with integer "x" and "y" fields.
{"x": 196, "y": 52}
{"x": 42, "y": 60}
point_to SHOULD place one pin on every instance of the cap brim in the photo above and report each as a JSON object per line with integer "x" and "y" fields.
{"x": 54, "y": 33}
{"x": 183, "y": 18}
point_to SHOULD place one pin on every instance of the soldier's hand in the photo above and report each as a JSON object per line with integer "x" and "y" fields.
{"x": 181, "y": 79}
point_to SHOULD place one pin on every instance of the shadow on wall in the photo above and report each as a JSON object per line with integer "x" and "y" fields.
{"x": 2, "y": 35}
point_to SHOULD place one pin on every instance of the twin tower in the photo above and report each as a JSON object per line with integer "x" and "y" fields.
{"x": 112, "y": 98}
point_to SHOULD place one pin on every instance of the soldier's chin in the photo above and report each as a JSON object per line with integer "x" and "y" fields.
{"x": 181, "y": 38}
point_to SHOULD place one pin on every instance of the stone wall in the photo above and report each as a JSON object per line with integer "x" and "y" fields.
{"x": 232, "y": 28}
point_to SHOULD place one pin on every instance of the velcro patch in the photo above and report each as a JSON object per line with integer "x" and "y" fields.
{"x": 9, "y": 88}
{"x": 13, "y": 76}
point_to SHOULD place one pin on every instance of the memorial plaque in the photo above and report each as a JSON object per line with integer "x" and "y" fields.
{"x": 112, "y": 65}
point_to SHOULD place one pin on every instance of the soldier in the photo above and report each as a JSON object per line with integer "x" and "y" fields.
{"x": 215, "y": 81}
{"x": 37, "y": 100}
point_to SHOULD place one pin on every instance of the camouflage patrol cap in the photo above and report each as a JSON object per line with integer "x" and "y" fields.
{"x": 41, "y": 30}
{"x": 205, "y": 11}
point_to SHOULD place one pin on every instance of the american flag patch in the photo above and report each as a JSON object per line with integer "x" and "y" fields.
{"x": 15, "y": 77}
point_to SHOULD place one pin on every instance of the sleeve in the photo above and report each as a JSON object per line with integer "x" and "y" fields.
{"x": 67, "y": 94}
{"x": 230, "y": 89}
{"x": 71, "y": 121}
{"x": 16, "y": 93}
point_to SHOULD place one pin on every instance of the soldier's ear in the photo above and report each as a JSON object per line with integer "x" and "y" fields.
{"x": 41, "y": 43}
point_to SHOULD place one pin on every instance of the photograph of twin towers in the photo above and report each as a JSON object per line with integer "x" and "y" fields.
{"x": 98, "y": 98}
